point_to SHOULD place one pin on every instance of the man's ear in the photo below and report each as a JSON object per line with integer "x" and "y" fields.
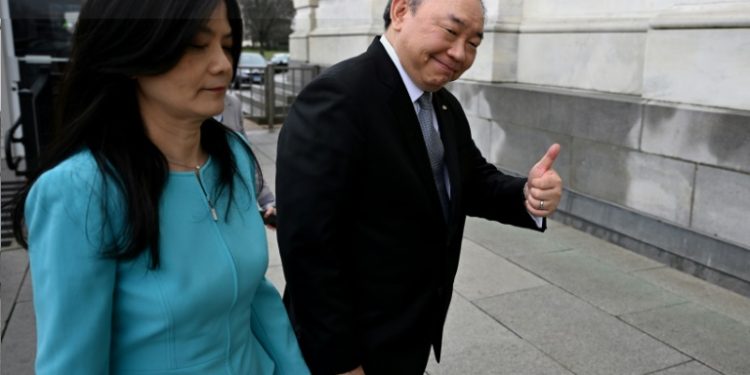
{"x": 399, "y": 10}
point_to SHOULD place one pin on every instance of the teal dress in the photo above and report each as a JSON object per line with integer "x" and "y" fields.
{"x": 208, "y": 309}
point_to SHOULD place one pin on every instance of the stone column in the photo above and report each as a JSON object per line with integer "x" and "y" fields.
{"x": 344, "y": 28}
{"x": 498, "y": 54}
{"x": 304, "y": 22}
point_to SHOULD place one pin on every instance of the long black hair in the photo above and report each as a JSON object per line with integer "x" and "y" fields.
{"x": 115, "y": 41}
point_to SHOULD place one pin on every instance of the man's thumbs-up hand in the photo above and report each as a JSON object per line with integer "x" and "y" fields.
{"x": 544, "y": 186}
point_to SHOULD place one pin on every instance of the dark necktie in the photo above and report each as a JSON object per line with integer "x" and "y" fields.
{"x": 434, "y": 149}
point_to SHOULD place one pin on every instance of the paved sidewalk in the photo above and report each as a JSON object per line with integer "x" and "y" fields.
{"x": 525, "y": 303}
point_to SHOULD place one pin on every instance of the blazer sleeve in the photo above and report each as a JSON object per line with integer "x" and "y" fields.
{"x": 489, "y": 193}
{"x": 232, "y": 115}
{"x": 266, "y": 199}
{"x": 270, "y": 324}
{"x": 73, "y": 283}
{"x": 317, "y": 160}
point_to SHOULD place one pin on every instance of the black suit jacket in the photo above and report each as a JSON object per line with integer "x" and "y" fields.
{"x": 368, "y": 257}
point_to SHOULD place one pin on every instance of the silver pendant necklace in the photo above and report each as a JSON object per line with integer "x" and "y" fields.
{"x": 197, "y": 171}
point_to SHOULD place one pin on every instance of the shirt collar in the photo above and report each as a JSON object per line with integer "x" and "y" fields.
{"x": 414, "y": 91}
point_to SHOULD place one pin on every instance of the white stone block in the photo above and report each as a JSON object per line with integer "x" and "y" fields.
{"x": 298, "y": 49}
{"x": 651, "y": 184}
{"x": 346, "y": 14}
{"x": 467, "y": 93}
{"x": 480, "y": 133}
{"x": 503, "y": 11}
{"x": 706, "y": 136}
{"x": 496, "y": 58}
{"x": 344, "y": 28}
{"x": 702, "y": 66}
{"x": 327, "y": 50}
{"x": 722, "y": 203}
{"x": 660, "y": 187}
{"x": 518, "y": 148}
{"x": 704, "y": 14}
{"x": 304, "y": 21}
{"x": 610, "y": 62}
{"x": 588, "y": 8}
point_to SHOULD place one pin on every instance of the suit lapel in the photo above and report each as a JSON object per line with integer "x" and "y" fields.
{"x": 405, "y": 121}
{"x": 411, "y": 137}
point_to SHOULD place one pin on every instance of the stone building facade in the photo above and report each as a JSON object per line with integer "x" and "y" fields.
{"x": 650, "y": 100}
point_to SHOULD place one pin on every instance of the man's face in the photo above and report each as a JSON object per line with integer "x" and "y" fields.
{"x": 438, "y": 42}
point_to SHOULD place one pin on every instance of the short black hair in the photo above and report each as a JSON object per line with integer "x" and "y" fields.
{"x": 413, "y": 5}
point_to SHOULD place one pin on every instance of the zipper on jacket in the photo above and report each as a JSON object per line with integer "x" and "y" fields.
{"x": 208, "y": 199}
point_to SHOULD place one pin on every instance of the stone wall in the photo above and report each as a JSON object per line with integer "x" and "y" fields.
{"x": 328, "y": 31}
{"x": 669, "y": 181}
{"x": 647, "y": 97}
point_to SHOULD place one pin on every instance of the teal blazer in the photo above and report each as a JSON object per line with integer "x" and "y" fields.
{"x": 208, "y": 309}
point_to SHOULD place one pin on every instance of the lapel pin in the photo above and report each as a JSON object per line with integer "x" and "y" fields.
{"x": 445, "y": 108}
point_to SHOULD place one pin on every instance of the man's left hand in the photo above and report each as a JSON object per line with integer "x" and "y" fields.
{"x": 544, "y": 186}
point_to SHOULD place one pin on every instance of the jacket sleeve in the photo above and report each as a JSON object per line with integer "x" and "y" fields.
{"x": 316, "y": 168}
{"x": 73, "y": 283}
{"x": 266, "y": 199}
{"x": 270, "y": 324}
{"x": 489, "y": 193}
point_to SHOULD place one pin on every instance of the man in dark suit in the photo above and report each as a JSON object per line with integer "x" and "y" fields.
{"x": 376, "y": 172}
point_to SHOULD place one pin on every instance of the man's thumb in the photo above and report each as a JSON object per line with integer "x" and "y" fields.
{"x": 545, "y": 163}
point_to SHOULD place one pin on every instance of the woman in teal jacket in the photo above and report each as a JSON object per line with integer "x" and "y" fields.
{"x": 147, "y": 251}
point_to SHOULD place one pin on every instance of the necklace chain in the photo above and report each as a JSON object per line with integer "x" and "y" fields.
{"x": 183, "y": 165}
{"x": 197, "y": 171}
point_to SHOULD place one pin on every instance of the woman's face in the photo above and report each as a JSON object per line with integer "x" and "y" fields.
{"x": 193, "y": 89}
